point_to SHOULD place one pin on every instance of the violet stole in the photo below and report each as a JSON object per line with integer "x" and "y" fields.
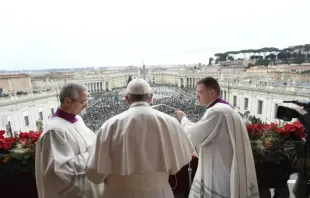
{"x": 220, "y": 100}
{"x": 65, "y": 115}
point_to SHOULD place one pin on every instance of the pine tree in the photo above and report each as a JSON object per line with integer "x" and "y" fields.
{"x": 129, "y": 79}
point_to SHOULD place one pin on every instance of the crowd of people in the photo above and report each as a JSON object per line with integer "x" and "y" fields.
{"x": 105, "y": 105}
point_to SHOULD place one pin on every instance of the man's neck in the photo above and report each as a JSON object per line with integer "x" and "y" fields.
{"x": 65, "y": 110}
{"x": 139, "y": 103}
{"x": 212, "y": 101}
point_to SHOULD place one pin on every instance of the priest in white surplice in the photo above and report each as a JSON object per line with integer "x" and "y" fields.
{"x": 226, "y": 166}
{"x": 136, "y": 150}
{"x": 62, "y": 150}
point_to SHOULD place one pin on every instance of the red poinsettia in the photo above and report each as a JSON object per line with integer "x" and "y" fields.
{"x": 259, "y": 130}
{"x": 255, "y": 130}
{"x": 296, "y": 128}
{"x": 20, "y": 150}
{"x": 271, "y": 142}
{"x": 6, "y": 143}
{"x": 30, "y": 137}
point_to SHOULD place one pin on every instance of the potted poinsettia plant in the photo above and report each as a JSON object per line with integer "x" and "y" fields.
{"x": 273, "y": 143}
{"x": 17, "y": 164}
{"x": 274, "y": 148}
{"x": 17, "y": 154}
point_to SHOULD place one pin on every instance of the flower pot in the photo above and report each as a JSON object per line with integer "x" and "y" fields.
{"x": 19, "y": 186}
{"x": 271, "y": 175}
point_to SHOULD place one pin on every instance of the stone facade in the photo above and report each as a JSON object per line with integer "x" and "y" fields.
{"x": 21, "y": 113}
{"x": 13, "y": 83}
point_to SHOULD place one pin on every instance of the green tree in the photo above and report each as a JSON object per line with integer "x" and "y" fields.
{"x": 129, "y": 79}
{"x": 221, "y": 56}
{"x": 262, "y": 62}
{"x": 217, "y": 60}
{"x": 300, "y": 58}
{"x": 307, "y": 50}
{"x": 284, "y": 55}
{"x": 231, "y": 58}
{"x": 210, "y": 60}
{"x": 39, "y": 125}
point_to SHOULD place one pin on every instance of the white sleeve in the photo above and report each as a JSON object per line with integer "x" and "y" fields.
{"x": 186, "y": 121}
{"x": 58, "y": 157}
{"x": 205, "y": 130}
{"x": 99, "y": 163}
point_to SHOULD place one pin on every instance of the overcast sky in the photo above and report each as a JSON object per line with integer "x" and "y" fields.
{"x": 73, "y": 33}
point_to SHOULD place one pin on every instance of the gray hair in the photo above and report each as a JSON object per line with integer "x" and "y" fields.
{"x": 137, "y": 98}
{"x": 71, "y": 90}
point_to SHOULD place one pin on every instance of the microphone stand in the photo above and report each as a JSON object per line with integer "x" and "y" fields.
{"x": 189, "y": 165}
{"x": 306, "y": 178}
{"x": 164, "y": 105}
{"x": 189, "y": 175}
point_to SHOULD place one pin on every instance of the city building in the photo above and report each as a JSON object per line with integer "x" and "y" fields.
{"x": 257, "y": 93}
{"x": 15, "y": 84}
{"x": 22, "y": 113}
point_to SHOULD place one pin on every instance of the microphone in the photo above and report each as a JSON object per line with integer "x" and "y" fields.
{"x": 304, "y": 104}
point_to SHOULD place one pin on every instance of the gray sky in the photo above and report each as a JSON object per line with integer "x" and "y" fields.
{"x": 73, "y": 33}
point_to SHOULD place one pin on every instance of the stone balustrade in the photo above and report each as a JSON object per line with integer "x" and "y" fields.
{"x": 27, "y": 97}
{"x": 267, "y": 88}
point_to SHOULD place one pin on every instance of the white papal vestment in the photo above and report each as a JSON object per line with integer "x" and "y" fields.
{"x": 226, "y": 166}
{"x": 136, "y": 151}
{"x": 61, "y": 156}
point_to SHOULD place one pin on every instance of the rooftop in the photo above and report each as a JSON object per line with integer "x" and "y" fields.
{"x": 5, "y": 76}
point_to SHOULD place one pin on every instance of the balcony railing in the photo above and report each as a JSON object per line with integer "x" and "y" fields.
{"x": 265, "y": 88}
{"x": 26, "y": 97}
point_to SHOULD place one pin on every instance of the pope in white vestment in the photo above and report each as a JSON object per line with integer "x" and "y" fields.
{"x": 62, "y": 150}
{"x": 226, "y": 166}
{"x": 136, "y": 150}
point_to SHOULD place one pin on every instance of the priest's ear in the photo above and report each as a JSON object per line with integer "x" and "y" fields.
{"x": 150, "y": 98}
{"x": 127, "y": 99}
{"x": 67, "y": 101}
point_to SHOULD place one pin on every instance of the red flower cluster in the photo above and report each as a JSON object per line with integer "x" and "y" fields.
{"x": 259, "y": 130}
{"x": 296, "y": 127}
{"x": 273, "y": 143}
{"x": 28, "y": 138}
{"x": 6, "y": 143}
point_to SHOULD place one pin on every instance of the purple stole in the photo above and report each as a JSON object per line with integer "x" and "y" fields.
{"x": 219, "y": 100}
{"x": 65, "y": 115}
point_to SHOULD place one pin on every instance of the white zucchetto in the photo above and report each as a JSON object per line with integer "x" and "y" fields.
{"x": 138, "y": 86}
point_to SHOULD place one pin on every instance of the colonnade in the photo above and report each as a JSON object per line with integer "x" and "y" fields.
{"x": 188, "y": 82}
{"x": 97, "y": 86}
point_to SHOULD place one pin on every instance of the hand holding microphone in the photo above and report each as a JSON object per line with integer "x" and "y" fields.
{"x": 180, "y": 114}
